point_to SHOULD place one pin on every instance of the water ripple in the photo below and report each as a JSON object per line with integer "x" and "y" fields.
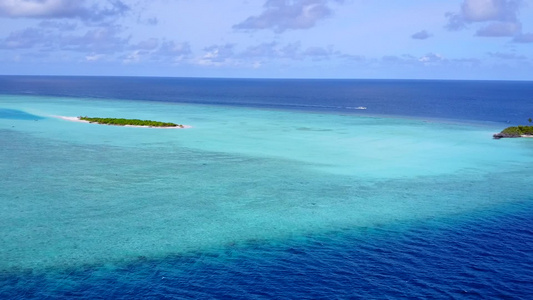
{"x": 477, "y": 258}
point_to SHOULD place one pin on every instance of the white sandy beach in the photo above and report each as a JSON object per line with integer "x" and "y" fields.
{"x": 72, "y": 119}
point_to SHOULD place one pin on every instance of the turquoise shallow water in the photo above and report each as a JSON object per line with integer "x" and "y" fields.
{"x": 76, "y": 194}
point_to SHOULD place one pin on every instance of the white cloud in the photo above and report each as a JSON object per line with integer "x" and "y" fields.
{"x": 94, "y": 57}
{"x": 473, "y": 11}
{"x": 218, "y": 55}
{"x": 149, "y": 44}
{"x": 27, "y": 38}
{"x": 158, "y": 35}
{"x": 404, "y": 59}
{"x": 89, "y": 10}
{"x": 498, "y": 18}
{"x": 133, "y": 57}
{"x": 152, "y": 50}
{"x": 265, "y": 54}
{"x": 421, "y": 35}
{"x": 263, "y": 50}
{"x": 411, "y": 62}
{"x": 99, "y": 39}
{"x": 43, "y": 8}
{"x": 282, "y": 15}
{"x": 485, "y": 10}
{"x": 431, "y": 58}
{"x": 291, "y": 51}
{"x": 273, "y": 50}
{"x": 172, "y": 51}
{"x": 510, "y": 56}
{"x": 524, "y": 38}
{"x": 319, "y": 53}
{"x": 171, "y": 48}
{"x": 58, "y": 25}
{"x": 500, "y": 29}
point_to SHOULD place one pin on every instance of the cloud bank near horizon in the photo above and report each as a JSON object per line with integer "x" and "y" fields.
{"x": 275, "y": 38}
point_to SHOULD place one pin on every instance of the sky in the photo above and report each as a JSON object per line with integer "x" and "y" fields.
{"x": 385, "y": 39}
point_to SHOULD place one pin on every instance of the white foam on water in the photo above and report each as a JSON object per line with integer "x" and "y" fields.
{"x": 76, "y": 193}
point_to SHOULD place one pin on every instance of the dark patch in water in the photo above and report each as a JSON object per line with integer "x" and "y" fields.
{"x": 484, "y": 256}
{"x": 17, "y": 115}
{"x": 311, "y": 129}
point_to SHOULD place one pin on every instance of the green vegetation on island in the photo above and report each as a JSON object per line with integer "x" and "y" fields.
{"x": 132, "y": 122}
{"x": 515, "y": 131}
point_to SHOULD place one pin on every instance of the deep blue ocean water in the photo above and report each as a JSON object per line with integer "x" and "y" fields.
{"x": 475, "y": 241}
{"x": 497, "y": 101}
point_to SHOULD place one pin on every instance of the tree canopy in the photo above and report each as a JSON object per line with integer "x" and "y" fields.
{"x": 134, "y": 122}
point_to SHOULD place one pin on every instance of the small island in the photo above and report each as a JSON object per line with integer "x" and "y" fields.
{"x": 129, "y": 122}
{"x": 515, "y": 132}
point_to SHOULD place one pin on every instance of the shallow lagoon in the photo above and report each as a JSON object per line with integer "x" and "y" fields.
{"x": 77, "y": 194}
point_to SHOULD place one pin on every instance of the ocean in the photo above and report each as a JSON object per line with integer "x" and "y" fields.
{"x": 291, "y": 189}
